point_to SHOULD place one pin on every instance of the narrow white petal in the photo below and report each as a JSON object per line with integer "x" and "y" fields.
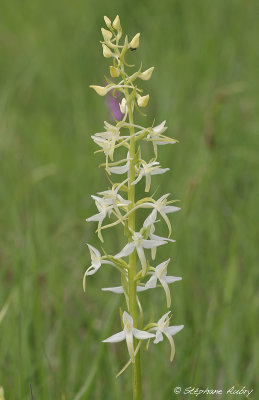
{"x": 171, "y": 340}
{"x": 165, "y": 217}
{"x": 151, "y": 283}
{"x": 170, "y": 209}
{"x": 142, "y": 334}
{"x": 115, "y": 289}
{"x": 142, "y": 288}
{"x": 160, "y": 128}
{"x": 159, "y": 171}
{"x": 129, "y": 340}
{"x": 149, "y": 244}
{"x": 163, "y": 318}
{"x": 148, "y": 182}
{"x": 156, "y": 237}
{"x": 126, "y": 251}
{"x": 171, "y": 279}
{"x": 142, "y": 258}
{"x": 93, "y": 251}
{"x": 150, "y": 219}
{"x": 118, "y": 337}
{"x": 92, "y": 269}
{"x": 167, "y": 292}
{"x": 127, "y": 319}
{"x": 173, "y": 330}
{"x": 119, "y": 170}
{"x": 97, "y": 217}
{"x": 138, "y": 178}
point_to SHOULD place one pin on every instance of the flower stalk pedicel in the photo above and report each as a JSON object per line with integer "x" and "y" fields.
{"x": 135, "y": 262}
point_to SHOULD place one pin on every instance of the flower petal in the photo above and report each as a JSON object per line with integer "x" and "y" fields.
{"x": 116, "y": 289}
{"x": 142, "y": 335}
{"x": 97, "y": 217}
{"x": 151, "y": 283}
{"x": 173, "y": 330}
{"x": 138, "y": 178}
{"x": 149, "y": 244}
{"x": 150, "y": 219}
{"x": 159, "y": 337}
{"x": 142, "y": 258}
{"x": 119, "y": 170}
{"x": 126, "y": 251}
{"x": 167, "y": 291}
{"x": 159, "y": 171}
{"x": 171, "y": 340}
{"x": 171, "y": 279}
{"x": 129, "y": 340}
{"x": 171, "y": 209}
{"x": 118, "y": 337}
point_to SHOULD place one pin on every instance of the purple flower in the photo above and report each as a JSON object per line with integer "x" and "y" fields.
{"x": 112, "y": 102}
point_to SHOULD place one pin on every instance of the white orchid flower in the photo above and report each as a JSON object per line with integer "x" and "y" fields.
{"x": 147, "y": 170}
{"x": 115, "y": 198}
{"x": 97, "y": 261}
{"x": 127, "y": 334}
{"x": 156, "y": 136}
{"x": 150, "y": 224}
{"x": 169, "y": 331}
{"x": 105, "y": 208}
{"x": 160, "y": 274}
{"x": 139, "y": 243}
{"x": 161, "y": 206}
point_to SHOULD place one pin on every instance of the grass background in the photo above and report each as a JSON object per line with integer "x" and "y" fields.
{"x": 206, "y": 86}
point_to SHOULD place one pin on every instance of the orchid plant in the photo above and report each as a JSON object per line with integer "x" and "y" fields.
{"x": 135, "y": 264}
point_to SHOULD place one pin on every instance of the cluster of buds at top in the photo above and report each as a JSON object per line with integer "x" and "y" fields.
{"x": 136, "y": 261}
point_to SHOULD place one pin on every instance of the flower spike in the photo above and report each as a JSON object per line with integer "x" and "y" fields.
{"x": 121, "y": 143}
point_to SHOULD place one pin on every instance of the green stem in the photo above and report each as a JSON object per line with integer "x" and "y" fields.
{"x": 137, "y": 387}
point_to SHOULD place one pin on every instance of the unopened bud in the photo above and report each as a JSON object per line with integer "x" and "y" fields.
{"x": 143, "y": 100}
{"x": 116, "y": 23}
{"x": 101, "y": 90}
{"x": 107, "y": 35}
{"x": 146, "y": 75}
{"x": 106, "y": 51}
{"x": 115, "y": 72}
{"x": 107, "y": 21}
{"x": 123, "y": 106}
{"x": 134, "y": 44}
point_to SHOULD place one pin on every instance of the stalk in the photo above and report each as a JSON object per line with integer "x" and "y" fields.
{"x": 113, "y": 203}
{"x": 136, "y": 367}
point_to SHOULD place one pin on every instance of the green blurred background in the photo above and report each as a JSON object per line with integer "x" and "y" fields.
{"x": 205, "y": 85}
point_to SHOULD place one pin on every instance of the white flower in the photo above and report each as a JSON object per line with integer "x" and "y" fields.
{"x": 161, "y": 206}
{"x": 152, "y": 236}
{"x": 164, "y": 328}
{"x": 147, "y": 170}
{"x": 139, "y": 243}
{"x": 160, "y": 274}
{"x": 115, "y": 198}
{"x": 127, "y": 334}
{"x": 156, "y": 136}
{"x": 105, "y": 208}
{"x": 97, "y": 261}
